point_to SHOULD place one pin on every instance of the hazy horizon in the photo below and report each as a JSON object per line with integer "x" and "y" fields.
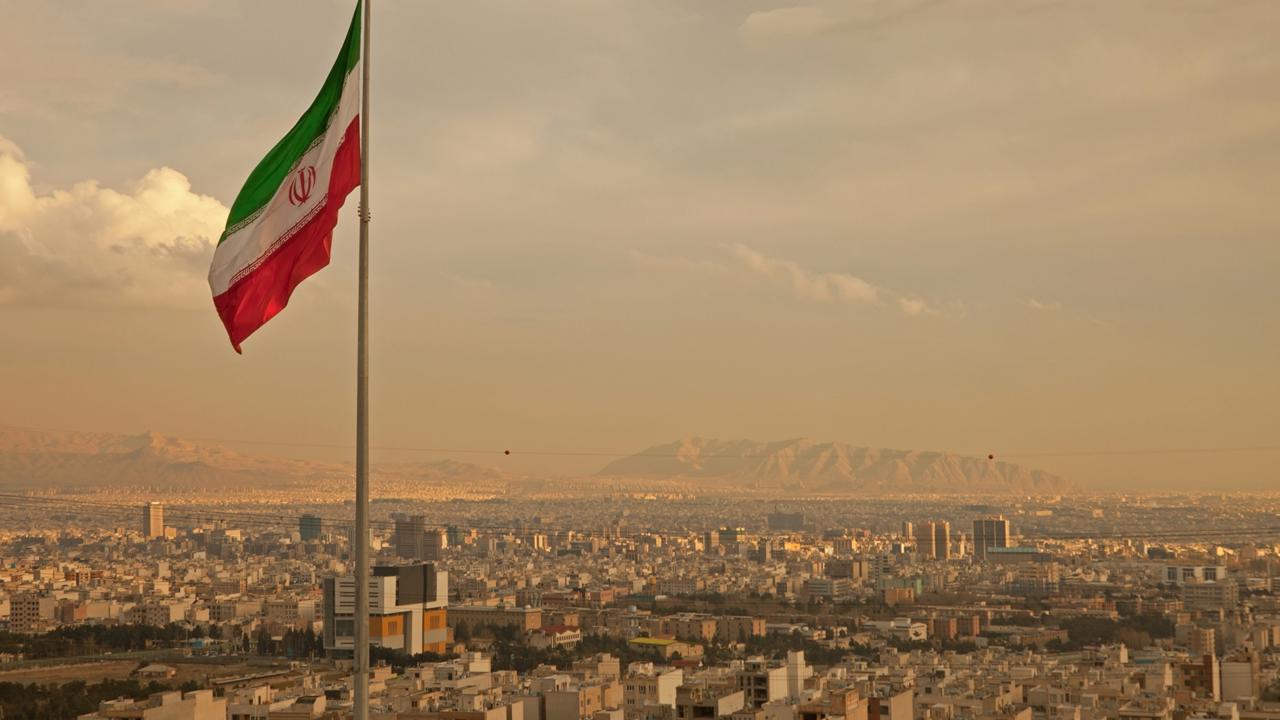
{"x": 1012, "y": 228}
{"x": 533, "y": 462}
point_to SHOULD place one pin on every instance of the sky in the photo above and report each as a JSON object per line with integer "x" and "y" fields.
{"x": 985, "y": 226}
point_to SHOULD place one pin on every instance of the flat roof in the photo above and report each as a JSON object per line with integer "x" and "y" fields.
{"x": 651, "y": 641}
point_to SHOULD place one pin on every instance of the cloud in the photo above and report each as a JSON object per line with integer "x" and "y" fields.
{"x": 90, "y": 245}
{"x": 820, "y": 287}
{"x": 1056, "y": 306}
{"x": 766, "y": 28}
{"x": 1035, "y": 304}
{"x": 915, "y": 307}
{"x": 788, "y": 23}
{"x": 823, "y": 287}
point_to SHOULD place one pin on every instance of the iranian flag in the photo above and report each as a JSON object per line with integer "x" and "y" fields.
{"x": 281, "y": 224}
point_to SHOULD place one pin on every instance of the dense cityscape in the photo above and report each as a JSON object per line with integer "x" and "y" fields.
{"x": 640, "y": 360}
{"x": 636, "y": 607}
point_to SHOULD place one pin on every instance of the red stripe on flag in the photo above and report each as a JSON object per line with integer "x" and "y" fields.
{"x": 256, "y": 298}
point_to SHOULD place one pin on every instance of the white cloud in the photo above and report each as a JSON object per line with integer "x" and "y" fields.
{"x": 820, "y": 287}
{"x": 915, "y": 307}
{"x": 823, "y": 287}
{"x": 1035, "y": 304}
{"x": 828, "y": 287}
{"x": 87, "y": 244}
{"x": 801, "y": 21}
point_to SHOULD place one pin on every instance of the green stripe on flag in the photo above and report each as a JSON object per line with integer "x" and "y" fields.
{"x": 271, "y": 172}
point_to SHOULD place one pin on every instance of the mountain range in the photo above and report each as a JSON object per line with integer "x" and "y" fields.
{"x": 31, "y": 459}
{"x": 68, "y": 459}
{"x": 831, "y": 467}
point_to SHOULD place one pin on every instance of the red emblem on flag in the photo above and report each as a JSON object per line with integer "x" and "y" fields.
{"x": 303, "y": 182}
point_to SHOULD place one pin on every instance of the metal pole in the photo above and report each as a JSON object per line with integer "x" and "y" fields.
{"x": 362, "y": 402}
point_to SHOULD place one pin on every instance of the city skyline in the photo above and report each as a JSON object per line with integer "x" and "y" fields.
{"x": 626, "y": 606}
{"x": 633, "y": 360}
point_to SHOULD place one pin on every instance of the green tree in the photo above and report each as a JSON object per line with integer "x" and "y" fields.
{"x": 263, "y": 642}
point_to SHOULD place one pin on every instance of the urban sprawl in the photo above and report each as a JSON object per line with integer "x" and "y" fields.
{"x": 648, "y": 608}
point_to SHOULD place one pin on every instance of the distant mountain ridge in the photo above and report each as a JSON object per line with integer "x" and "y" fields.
{"x": 32, "y": 458}
{"x": 48, "y": 459}
{"x": 830, "y": 467}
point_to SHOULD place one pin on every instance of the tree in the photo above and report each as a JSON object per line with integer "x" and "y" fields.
{"x": 263, "y": 642}
{"x": 68, "y": 700}
{"x": 1056, "y": 645}
{"x": 1133, "y": 638}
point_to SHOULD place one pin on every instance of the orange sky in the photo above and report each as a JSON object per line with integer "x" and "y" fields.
{"x": 602, "y": 225}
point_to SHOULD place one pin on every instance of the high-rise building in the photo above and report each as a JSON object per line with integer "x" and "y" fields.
{"x": 732, "y": 535}
{"x": 908, "y": 531}
{"x": 409, "y": 537}
{"x": 153, "y": 520}
{"x": 414, "y": 541}
{"x": 941, "y": 540}
{"x": 940, "y": 534}
{"x": 763, "y": 552}
{"x": 406, "y": 610}
{"x": 786, "y": 521}
{"x": 924, "y": 540}
{"x": 843, "y": 546}
{"x": 989, "y": 533}
{"x": 309, "y": 527}
{"x": 933, "y": 539}
{"x": 458, "y": 536}
{"x": 436, "y": 540}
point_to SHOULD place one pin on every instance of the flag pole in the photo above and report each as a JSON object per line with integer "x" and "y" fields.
{"x": 361, "y": 665}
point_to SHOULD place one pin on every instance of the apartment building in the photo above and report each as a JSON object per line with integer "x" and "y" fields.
{"x": 523, "y": 619}
{"x": 738, "y": 628}
{"x": 30, "y": 613}
{"x": 407, "y": 610}
{"x": 646, "y": 686}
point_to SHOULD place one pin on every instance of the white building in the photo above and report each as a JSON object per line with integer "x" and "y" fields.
{"x": 195, "y": 705}
{"x": 406, "y": 610}
{"x": 1182, "y": 574}
{"x": 647, "y": 686}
